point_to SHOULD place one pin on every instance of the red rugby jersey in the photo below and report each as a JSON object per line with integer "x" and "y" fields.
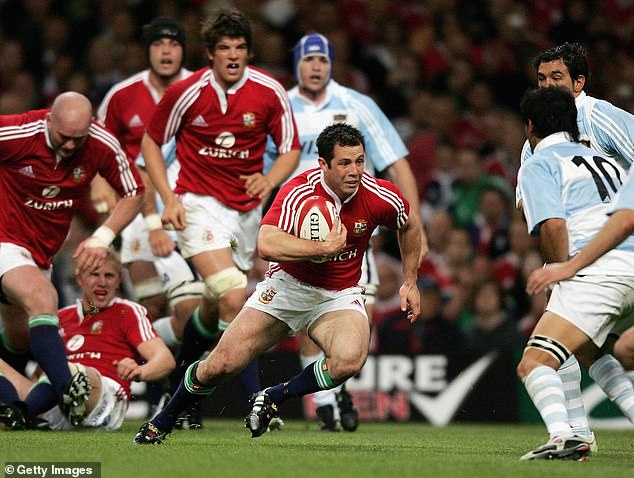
{"x": 376, "y": 203}
{"x": 41, "y": 192}
{"x": 222, "y": 136}
{"x": 112, "y": 334}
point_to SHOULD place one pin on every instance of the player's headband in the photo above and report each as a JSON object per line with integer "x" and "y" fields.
{"x": 314, "y": 44}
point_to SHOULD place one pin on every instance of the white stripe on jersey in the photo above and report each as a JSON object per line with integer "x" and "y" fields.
{"x": 145, "y": 326}
{"x": 374, "y": 128}
{"x": 182, "y": 104}
{"x": 294, "y": 197}
{"x": 388, "y": 196}
{"x": 8, "y": 133}
{"x": 287, "y": 116}
{"x": 612, "y": 129}
{"x": 125, "y": 173}
{"x": 102, "y": 112}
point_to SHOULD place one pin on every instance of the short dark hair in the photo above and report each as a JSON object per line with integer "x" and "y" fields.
{"x": 341, "y": 134}
{"x": 573, "y": 56}
{"x": 226, "y": 23}
{"x": 551, "y": 110}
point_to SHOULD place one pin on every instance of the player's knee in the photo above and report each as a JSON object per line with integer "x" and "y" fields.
{"x": 219, "y": 284}
{"x": 542, "y": 351}
{"x": 346, "y": 365}
{"x": 186, "y": 290}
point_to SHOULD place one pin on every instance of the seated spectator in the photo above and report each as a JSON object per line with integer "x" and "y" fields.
{"x": 110, "y": 339}
{"x": 491, "y": 328}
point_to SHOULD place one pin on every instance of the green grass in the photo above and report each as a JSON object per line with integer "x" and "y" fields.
{"x": 224, "y": 449}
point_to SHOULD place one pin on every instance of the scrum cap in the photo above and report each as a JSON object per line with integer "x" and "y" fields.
{"x": 163, "y": 27}
{"x": 314, "y": 44}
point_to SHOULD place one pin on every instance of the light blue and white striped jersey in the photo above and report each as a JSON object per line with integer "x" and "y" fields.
{"x": 625, "y": 197}
{"x": 567, "y": 180}
{"x": 172, "y": 166}
{"x": 383, "y": 145}
{"x": 609, "y": 129}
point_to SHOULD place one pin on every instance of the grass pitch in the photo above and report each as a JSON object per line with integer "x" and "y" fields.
{"x": 223, "y": 448}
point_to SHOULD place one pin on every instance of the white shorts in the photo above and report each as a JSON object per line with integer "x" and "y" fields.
{"x": 211, "y": 226}
{"x": 107, "y": 415}
{"x": 298, "y": 304}
{"x": 135, "y": 246}
{"x": 12, "y": 256}
{"x": 594, "y": 304}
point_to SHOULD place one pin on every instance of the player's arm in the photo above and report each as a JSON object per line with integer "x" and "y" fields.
{"x": 615, "y": 230}
{"x": 553, "y": 235}
{"x": 91, "y": 252}
{"x": 102, "y": 196}
{"x": 409, "y": 240}
{"x": 400, "y": 173}
{"x": 160, "y": 242}
{"x": 275, "y": 244}
{"x": 260, "y": 185}
{"x": 159, "y": 362}
{"x": 174, "y": 213}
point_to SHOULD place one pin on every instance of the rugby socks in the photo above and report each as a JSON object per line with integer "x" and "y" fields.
{"x": 608, "y": 373}
{"x": 249, "y": 378}
{"x": 164, "y": 330}
{"x": 41, "y": 398}
{"x": 189, "y": 392}
{"x": 48, "y": 350}
{"x": 570, "y": 375}
{"x": 8, "y": 392}
{"x": 546, "y": 391}
{"x": 324, "y": 397}
{"x": 197, "y": 339}
{"x": 313, "y": 378}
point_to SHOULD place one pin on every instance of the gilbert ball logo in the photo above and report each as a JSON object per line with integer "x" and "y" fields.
{"x": 225, "y": 139}
{"x": 50, "y": 192}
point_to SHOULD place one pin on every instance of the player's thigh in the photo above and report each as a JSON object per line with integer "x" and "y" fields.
{"x": 140, "y": 271}
{"x": 209, "y": 263}
{"x": 31, "y": 289}
{"x": 342, "y": 334}
{"x": 557, "y": 328}
{"x": 251, "y": 333}
{"x": 306, "y": 345}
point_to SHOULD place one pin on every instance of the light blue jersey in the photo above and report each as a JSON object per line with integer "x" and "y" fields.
{"x": 172, "y": 166}
{"x": 609, "y": 129}
{"x": 383, "y": 145}
{"x": 570, "y": 181}
{"x": 625, "y": 198}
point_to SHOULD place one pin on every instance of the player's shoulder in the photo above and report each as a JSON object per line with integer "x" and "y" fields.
{"x": 67, "y": 312}
{"x": 102, "y": 137}
{"x": 381, "y": 188}
{"x": 264, "y": 80}
{"x": 128, "y": 308}
{"x": 134, "y": 81}
{"x": 25, "y": 119}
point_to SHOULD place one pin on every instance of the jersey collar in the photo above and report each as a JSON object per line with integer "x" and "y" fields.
{"x": 552, "y": 139}
{"x": 580, "y": 99}
{"x": 323, "y": 103}
{"x": 220, "y": 93}
{"x": 49, "y": 143}
{"x": 333, "y": 195}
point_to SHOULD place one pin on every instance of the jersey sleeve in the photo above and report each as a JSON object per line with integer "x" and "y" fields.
{"x": 540, "y": 187}
{"x": 169, "y": 154}
{"x": 282, "y": 212}
{"x": 115, "y": 166}
{"x": 165, "y": 122}
{"x": 525, "y": 155}
{"x": 138, "y": 327}
{"x": 282, "y": 127}
{"x": 613, "y": 129}
{"x": 391, "y": 209}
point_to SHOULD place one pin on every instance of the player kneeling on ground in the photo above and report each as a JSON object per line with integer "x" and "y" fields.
{"x": 311, "y": 283}
{"x": 110, "y": 339}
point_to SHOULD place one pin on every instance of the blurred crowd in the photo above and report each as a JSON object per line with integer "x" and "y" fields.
{"x": 448, "y": 73}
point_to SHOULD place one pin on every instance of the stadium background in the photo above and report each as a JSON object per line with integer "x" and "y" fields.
{"x": 449, "y": 74}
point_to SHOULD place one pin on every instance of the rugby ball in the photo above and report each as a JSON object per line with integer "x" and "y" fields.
{"x": 314, "y": 218}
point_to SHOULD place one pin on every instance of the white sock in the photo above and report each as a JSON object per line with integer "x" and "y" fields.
{"x": 608, "y": 373}
{"x": 323, "y": 397}
{"x": 164, "y": 330}
{"x": 546, "y": 391}
{"x": 570, "y": 375}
